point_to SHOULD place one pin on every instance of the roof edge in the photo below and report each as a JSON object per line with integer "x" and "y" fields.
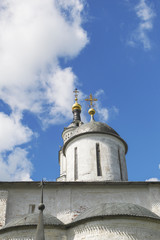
{"x": 110, "y": 217}
{"x": 4, "y": 184}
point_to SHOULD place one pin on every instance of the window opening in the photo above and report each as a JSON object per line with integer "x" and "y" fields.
{"x": 120, "y": 165}
{"x": 75, "y": 164}
{"x": 99, "y": 170}
{"x": 31, "y": 208}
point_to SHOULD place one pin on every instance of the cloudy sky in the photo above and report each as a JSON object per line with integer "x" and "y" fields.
{"x": 109, "y": 48}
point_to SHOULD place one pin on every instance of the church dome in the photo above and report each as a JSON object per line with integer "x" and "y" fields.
{"x": 76, "y": 105}
{"x": 95, "y": 127}
{"x": 116, "y": 209}
{"x": 32, "y": 219}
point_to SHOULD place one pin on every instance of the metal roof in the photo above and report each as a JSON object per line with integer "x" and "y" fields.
{"x": 32, "y": 219}
{"x": 116, "y": 209}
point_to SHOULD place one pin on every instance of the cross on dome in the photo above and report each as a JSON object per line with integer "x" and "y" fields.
{"x": 76, "y": 92}
{"x": 91, "y": 100}
{"x": 91, "y": 111}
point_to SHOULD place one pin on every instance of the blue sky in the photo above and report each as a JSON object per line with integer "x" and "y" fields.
{"x": 108, "y": 48}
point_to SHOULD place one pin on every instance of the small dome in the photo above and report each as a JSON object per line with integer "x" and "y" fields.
{"x": 116, "y": 209}
{"x": 91, "y": 111}
{"x": 32, "y": 219}
{"x": 76, "y": 105}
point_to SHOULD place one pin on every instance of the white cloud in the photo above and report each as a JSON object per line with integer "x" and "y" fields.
{"x": 15, "y": 166}
{"x": 145, "y": 14}
{"x": 99, "y": 92}
{"x": 103, "y": 113}
{"x": 12, "y": 132}
{"x": 33, "y": 36}
{"x": 152, "y": 180}
{"x": 115, "y": 110}
{"x": 59, "y": 94}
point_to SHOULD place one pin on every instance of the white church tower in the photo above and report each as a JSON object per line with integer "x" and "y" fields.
{"x": 91, "y": 151}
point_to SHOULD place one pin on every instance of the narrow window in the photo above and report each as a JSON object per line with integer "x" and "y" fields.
{"x": 31, "y": 208}
{"x": 99, "y": 170}
{"x": 75, "y": 164}
{"x": 120, "y": 165}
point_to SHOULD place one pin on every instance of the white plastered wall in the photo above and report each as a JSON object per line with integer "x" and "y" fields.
{"x": 112, "y": 158}
{"x": 67, "y": 200}
{"x": 62, "y": 162}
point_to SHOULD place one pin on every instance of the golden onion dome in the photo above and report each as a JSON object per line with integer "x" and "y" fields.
{"x": 76, "y": 105}
{"x": 91, "y": 111}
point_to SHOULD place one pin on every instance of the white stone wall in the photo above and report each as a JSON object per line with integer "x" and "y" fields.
{"x": 3, "y": 206}
{"x": 123, "y": 164}
{"x": 113, "y": 164}
{"x": 67, "y": 200}
{"x": 155, "y": 199}
{"x": 62, "y": 162}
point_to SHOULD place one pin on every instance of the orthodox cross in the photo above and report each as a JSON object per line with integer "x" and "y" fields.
{"x": 91, "y": 100}
{"x": 76, "y": 94}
